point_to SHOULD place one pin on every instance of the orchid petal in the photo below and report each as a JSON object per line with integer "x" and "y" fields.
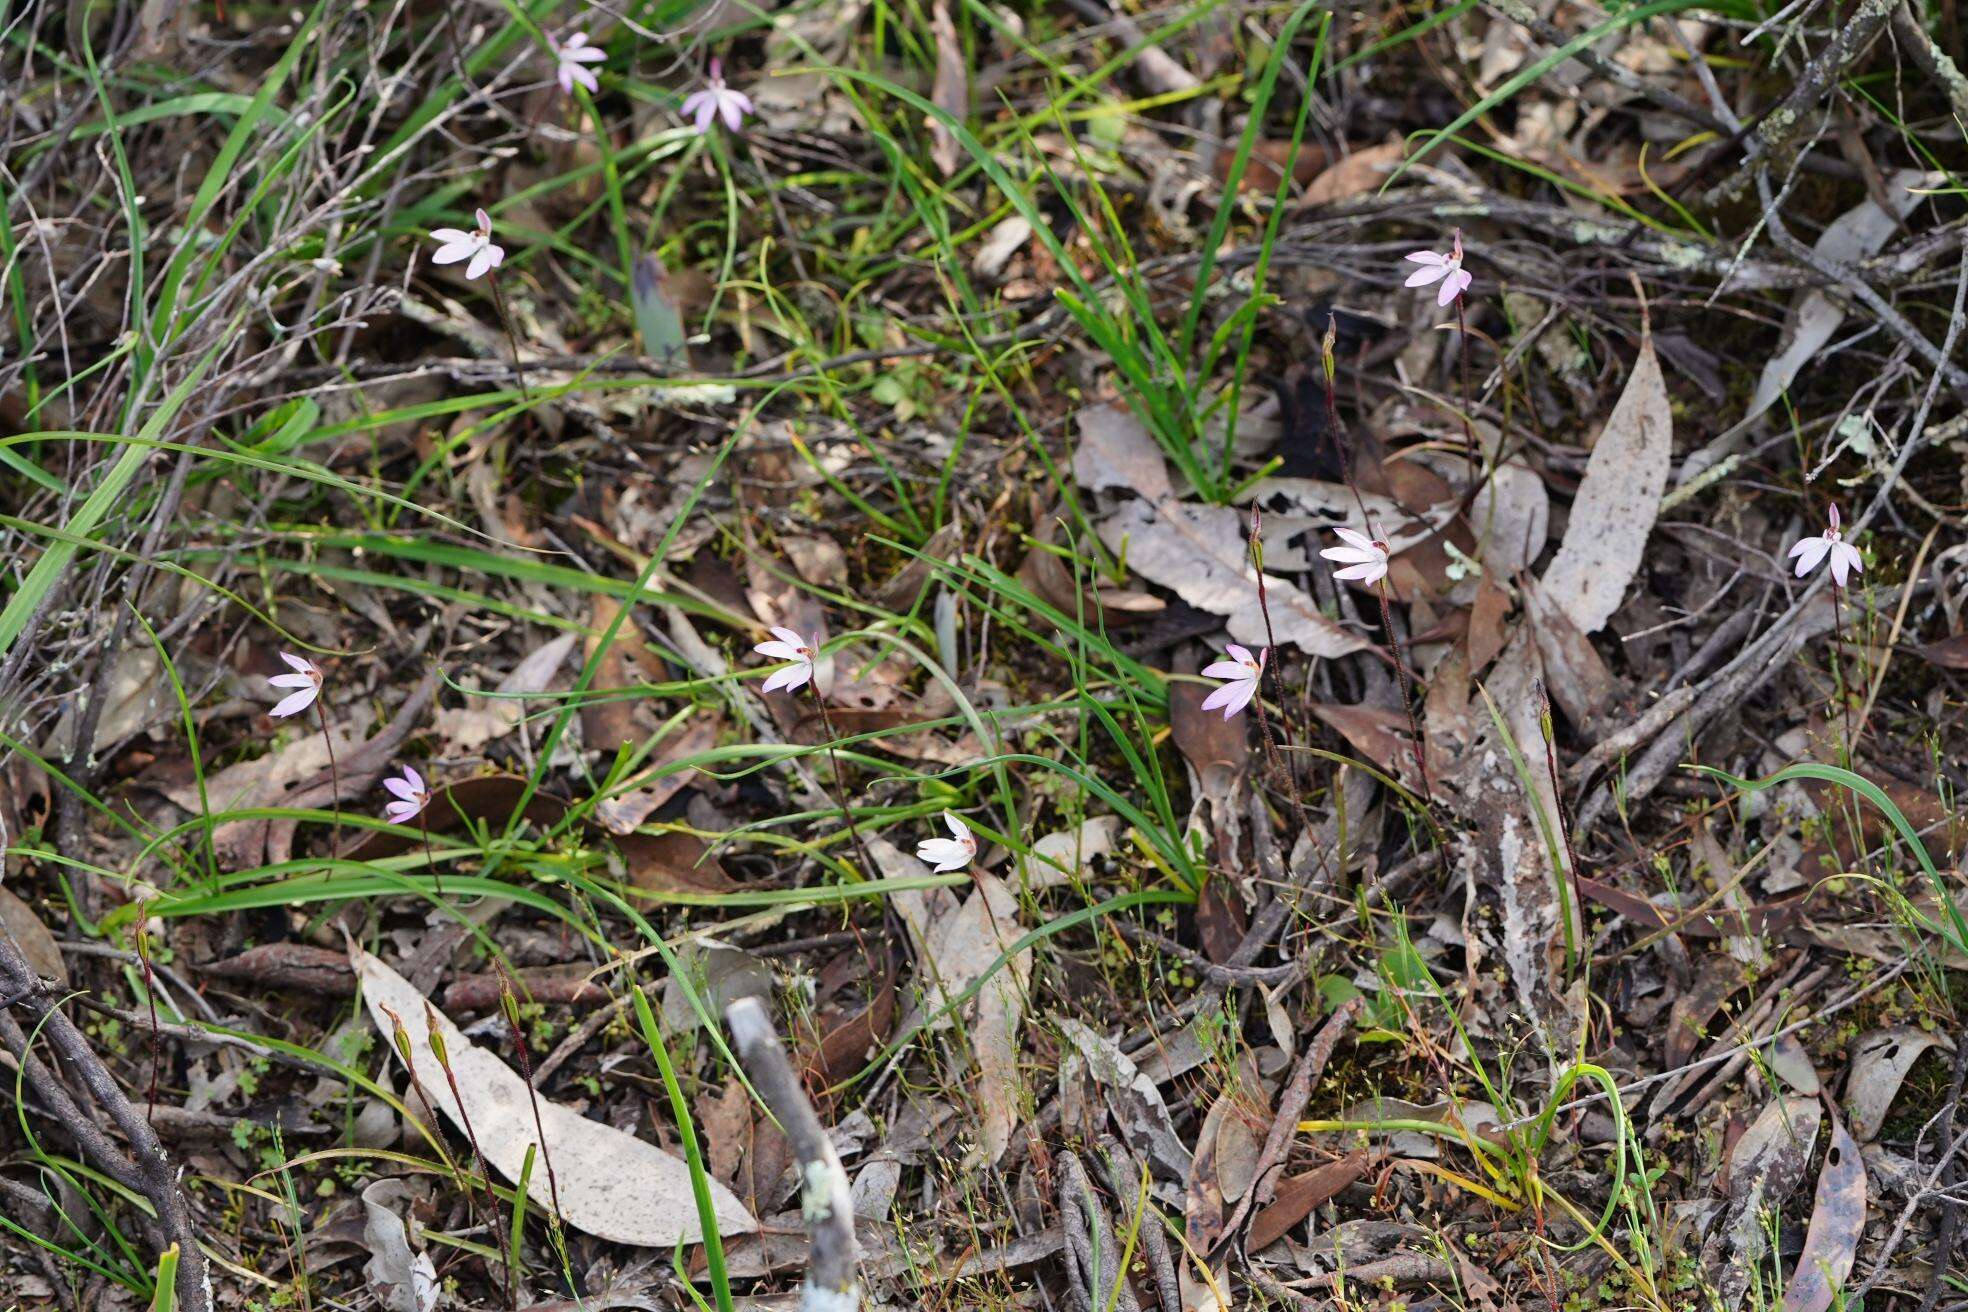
{"x": 1810, "y": 553}
{"x": 295, "y": 702}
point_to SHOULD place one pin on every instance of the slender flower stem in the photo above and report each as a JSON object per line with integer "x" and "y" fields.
{"x": 1547, "y": 731}
{"x": 1838, "y": 669}
{"x": 471, "y": 1134}
{"x": 512, "y": 338}
{"x": 1407, "y": 702}
{"x": 1284, "y": 779}
{"x": 510, "y": 1000}
{"x": 424, "y": 824}
{"x": 840, "y": 781}
{"x": 1462, "y": 362}
{"x": 334, "y": 780}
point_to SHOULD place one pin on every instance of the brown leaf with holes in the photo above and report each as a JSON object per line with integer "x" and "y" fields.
{"x": 1838, "y": 1218}
{"x": 1220, "y": 920}
{"x": 32, "y": 939}
{"x": 726, "y": 1121}
{"x": 1574, "y": 673}
{"x": 486, "y": 799}
{"x": 1266, "y": 167}
{"x": 850, "y": 1040}
{"x": 621, "y": 813}
{"x": 951, "y": 90}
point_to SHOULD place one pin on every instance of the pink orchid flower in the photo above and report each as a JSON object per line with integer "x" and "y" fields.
{"x": 455, "y": 244}
{"x": 1809, "y": 553}
{"x": 411, "y": 797}
{"x": 570, "y": 59}
{"x": 789, "y": 647}
{"x": 717, "y": 100}
{"x": 1446, "y": 269}
{"x": 1241, "y": 674}
{"x": 306, "y": 678}
{"x": 1365, "y": 558}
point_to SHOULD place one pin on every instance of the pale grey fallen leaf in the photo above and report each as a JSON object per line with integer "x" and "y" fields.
{"x": 994, "y": 1036}
{"x": 1791, "y": 1062}
{"x": 1510, "y": 515}
{"x": 1854, "y": 235}
{"x": 468, "y": 728}
{"x": 1613, "y": 513}
{"x": 1324, "y": 504}
{"x": 401, "y": 1280}
{"x": 136, "y": 697}
{"x": 1765, "y": 1167}
{"x": 1200, "y": 552}
{"x": 963, "y": 949}
{"x": 1473, "y": 1115}
{"x": 956, "y": 944}
{"x": 1064, "y": 855}
{"x": 1838, "y": 1218}
{"x": 718, "y": 974}
{"x": 1135, "y": 1102}
{"x": 1880, "y": 1062}
{"x": 1116, "y": 450}
{"x": 611, "y": 1184}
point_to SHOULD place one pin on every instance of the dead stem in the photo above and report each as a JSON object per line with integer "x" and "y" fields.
{"x": 840, "y": 782}
{"x": 1282, "y": 779}
{"x": 847, "y": 812}
{"x": 1462, "y": 367}
{"x": 1341, "y": 442}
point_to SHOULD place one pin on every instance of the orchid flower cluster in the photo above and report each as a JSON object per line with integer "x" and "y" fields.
{"x": 1361, "y": 557}
{"x": 302, "y": 685}
{"x": 573, "y": 59}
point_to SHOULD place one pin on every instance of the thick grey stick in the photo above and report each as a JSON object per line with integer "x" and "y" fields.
{"x": 830, "y": 1267}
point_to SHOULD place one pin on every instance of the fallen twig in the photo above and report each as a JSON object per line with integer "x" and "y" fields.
{"x": 147, "y": 1168}
{"x": 831, "y": 1283}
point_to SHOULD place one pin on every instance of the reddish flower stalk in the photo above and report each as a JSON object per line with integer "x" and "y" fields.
{"x": 437, "y": 1047}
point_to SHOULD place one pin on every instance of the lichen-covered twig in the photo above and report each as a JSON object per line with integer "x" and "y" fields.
{"x": 831, "y": 1266}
